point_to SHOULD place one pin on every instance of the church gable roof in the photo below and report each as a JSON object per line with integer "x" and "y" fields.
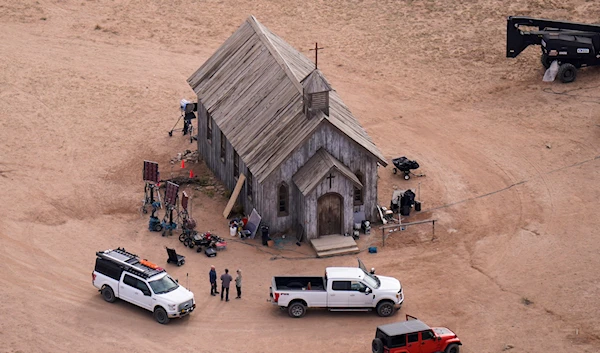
{"x": 251, "y": 86}
{"x": 317, "y": 167}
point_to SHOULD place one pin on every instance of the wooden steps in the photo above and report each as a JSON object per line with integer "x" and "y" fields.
{"x": 332, "y": 245}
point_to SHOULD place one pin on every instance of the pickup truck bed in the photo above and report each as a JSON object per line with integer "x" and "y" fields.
{"x": 299, "y": 283}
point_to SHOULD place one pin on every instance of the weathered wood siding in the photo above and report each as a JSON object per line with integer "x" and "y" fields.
{"x": 342, "y": 148}
{"x": 303, "y": 210}
{"x": 211, "y": 152}
{"x": 340, "y": 185}
{"x": 298, "y": 211}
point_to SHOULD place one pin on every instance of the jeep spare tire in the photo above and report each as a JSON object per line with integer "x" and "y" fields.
{"x": 377, "y": 345}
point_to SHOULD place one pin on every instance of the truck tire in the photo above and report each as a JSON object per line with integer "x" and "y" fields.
{"x": 296, "y": 310}
{"x": 377, "y": 345}
{"x": 108, "y": 294}
{"x": 160, "y": 315}
{"x": 452, "y": 348}
{"x": 545, "y": 61}
{"x": 385, "y": 308}
{"x": 567, "y": 73}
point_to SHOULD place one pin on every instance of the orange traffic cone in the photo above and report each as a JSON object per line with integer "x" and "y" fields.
{"x": 191, "y": 173}
{"x": 182, "y": 164}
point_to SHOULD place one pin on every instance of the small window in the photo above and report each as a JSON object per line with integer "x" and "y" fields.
{"x": 357, "y": 286}
{"x": 398, "y": 341}
{"x": 340, "y": 285}
{"x": 222, "y": 147}
{"x": 358, "y": 193}
{"x": 236, "y": 164}
{"x": 283, "y": 200}
{"x": 130, "y": 281}
{"x": 427, "y": 335}
{"x": 249, "y": 185}
{"x": 413, "y": 337}
{"x": 142, "y": 286}
{"x": 208, "y": 128}
{"x": 108, "y": 268}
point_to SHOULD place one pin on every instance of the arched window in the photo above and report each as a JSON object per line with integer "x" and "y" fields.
{"x": 358, "y": 193}
{"x": 236, "y": 164}
{"x": 249, "y": 184}
{"x": 223, "y": 150}
{"x": 283, "y": 199}
{"x": 208, "y": 128}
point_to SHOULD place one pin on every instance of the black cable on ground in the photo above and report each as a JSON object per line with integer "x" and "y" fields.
{"x": 513, "y": 185}
{"x": 570, "y": 94}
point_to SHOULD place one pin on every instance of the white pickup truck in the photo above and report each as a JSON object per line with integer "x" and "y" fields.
{"x": 120, "y": 274}
{"x": 342, "y": 289}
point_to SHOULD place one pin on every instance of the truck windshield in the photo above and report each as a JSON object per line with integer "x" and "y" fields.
{"x": 163, "y": 285}
{"x": 371, "y": 280}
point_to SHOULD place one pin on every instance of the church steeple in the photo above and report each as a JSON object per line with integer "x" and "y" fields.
{"x": 316, "y": 94}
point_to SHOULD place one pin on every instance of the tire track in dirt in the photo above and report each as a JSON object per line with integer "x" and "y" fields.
{"x": 587, "y": 331}
{"x": 524, "y": 181}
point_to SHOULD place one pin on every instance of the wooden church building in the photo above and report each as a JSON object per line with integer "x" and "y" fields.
{"x": 266, "y": 112}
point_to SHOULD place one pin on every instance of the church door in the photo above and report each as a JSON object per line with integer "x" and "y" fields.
{"x": 329, "y": 210}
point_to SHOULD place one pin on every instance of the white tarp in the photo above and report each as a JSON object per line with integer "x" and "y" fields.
{"x": 550, "y": 74}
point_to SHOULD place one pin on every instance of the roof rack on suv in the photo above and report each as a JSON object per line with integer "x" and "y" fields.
{"x": 129, "y": 262}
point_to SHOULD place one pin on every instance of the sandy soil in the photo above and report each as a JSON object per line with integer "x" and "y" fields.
{"x": 89, "y": 89}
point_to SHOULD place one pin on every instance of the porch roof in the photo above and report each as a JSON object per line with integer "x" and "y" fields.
{"x": 317, "y": 168}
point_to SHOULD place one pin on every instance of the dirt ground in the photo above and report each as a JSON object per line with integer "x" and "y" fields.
{"x": 89, "y": 89}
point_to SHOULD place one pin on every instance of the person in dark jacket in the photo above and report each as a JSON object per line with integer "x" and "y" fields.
{"x": 212, "y": 276}
{"x": 225, "y": 281}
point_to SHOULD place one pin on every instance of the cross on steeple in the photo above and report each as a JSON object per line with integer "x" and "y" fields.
{"x": 316, "y": 49}
{"x": 330, "y": 177}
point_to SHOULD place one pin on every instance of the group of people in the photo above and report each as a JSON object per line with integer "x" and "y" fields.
{"x": 226, "y": 280}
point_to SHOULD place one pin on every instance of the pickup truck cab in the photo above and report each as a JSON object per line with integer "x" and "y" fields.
{"x": 414, "y": 336}
{"x": 123, "y": 275}
{"x": 341, "y": 289}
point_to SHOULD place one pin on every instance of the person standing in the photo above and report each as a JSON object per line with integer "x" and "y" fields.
{"x": 212, "y": 275}
{"x": 225, "y": 281}
{"x": 238, "y": 284}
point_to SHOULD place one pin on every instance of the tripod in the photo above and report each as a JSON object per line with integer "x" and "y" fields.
{"x": 149, "y": 198}
{"x": 188, "y": 127}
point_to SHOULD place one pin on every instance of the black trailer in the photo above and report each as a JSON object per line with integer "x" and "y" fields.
{"x": 572, "y": 45}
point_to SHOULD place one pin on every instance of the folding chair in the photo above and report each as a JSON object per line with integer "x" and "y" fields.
{"x": 174, "y": 257}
